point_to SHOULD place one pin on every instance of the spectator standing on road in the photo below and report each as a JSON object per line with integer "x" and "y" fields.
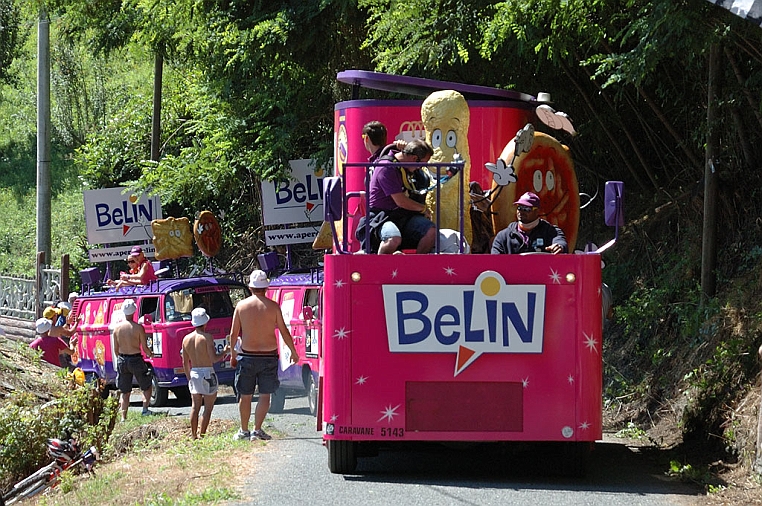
{"x": 128, "y": 338}
{"x": 199, "y": 356}
{"x": 255, "y": 320}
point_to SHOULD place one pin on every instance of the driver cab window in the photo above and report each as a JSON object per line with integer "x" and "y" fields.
{"x": 312, "y": 299}
{"x": 149, "y": 306}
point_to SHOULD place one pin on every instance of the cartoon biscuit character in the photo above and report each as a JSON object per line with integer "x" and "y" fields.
{"x": 100, "y": 353}
{"x": 172, "y": 238}
{"x": 547, "y": 170}
{"x": 206, "y": 231}
{"x": 446, "y": 116}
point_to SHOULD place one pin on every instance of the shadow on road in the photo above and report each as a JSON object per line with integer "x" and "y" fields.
{"x": 612, "y": 467}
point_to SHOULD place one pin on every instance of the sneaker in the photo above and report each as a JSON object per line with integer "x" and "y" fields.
{"x": 241, "y": 434}
{"x": 147, "y": 412}
{"x": 260, "y": 434}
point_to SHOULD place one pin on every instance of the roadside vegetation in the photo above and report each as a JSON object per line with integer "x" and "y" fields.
{"x": 249, "y": 85}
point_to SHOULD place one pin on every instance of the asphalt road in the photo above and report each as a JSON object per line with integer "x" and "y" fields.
{"x": 293, "y": 470}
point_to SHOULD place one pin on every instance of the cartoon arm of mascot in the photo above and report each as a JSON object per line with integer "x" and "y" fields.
{"x": 446, "y": 117}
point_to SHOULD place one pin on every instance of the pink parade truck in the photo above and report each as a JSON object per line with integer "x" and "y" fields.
{"x": 457, "y": 347}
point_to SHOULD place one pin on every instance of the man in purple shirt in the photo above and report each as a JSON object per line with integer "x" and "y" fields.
{"x": 409, "y": 224}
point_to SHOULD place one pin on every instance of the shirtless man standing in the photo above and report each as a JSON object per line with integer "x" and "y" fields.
{"x": 255, "y": 319}
{"x": 128, "y": 337}
{"x": 199, "y": 357}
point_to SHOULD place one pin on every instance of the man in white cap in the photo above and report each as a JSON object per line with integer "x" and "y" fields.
{"x": 199, "y": 356}
{"x": 529, "y": 233}
{"x": 255, "y": 320}
{"x": 128, "y": 337}
{"x": 52, "y": 347}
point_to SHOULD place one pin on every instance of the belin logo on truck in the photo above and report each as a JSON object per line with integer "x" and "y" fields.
{"x": 486, "y": 317}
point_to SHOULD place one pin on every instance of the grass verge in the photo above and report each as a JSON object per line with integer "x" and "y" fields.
{"x": 157, "y": 463}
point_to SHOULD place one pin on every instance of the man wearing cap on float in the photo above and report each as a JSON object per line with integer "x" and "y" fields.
{"x": 127, "y": 338}
{"x": 199, "y": 357}
{"x": 255, "y": 320}
{"x": 529, "y": 233}
{"x": 52, "y": 347}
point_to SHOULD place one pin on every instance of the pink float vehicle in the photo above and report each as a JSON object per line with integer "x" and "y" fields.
{"x": 459, "y": 347}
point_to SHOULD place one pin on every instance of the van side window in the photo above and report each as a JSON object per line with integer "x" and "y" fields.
{"x": 312, "y": 299}
{"x": 149, "y": 305}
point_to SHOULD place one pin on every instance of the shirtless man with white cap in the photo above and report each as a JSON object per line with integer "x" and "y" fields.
{"x": 255, "y": 320}
{"x": 128, "y": 338}
{"x": 199, "y": 357}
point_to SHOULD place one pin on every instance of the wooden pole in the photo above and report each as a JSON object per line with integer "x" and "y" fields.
{"x": 709, "y": 236}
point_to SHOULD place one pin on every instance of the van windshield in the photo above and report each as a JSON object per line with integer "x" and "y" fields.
{"x": 219, "y": 301}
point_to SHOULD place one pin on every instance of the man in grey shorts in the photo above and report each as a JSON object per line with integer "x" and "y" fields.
{"x": 199, "y": 356}
{"x": 255, "y": 320}
{"x": 128, "y": 338}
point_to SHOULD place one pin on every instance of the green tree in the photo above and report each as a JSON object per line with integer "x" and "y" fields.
{"x": 12, "y": 35}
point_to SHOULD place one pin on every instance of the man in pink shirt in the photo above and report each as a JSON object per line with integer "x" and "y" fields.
{"x": 52, "y": 347}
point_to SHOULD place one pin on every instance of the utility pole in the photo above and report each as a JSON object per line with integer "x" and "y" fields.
{"x": 43, "y": 135}
{"x": 158, "y": 71}
{"x": 709, "y": 236}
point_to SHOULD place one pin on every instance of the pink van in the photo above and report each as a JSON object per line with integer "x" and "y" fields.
{"x": 300, "y": 296}
{"x": 164, "y": 308}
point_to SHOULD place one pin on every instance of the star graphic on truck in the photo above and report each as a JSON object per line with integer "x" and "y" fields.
{"x": 590, "y": 342}
{"x": 389, "y": 413}
{"x": 341, "y": 333}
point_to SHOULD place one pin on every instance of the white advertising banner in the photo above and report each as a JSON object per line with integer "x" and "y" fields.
{"x": 284, "y": 236}
{"x": 299, "y": 200}
{"x": 119, "y": 253}
{"x": 116, "y": 215}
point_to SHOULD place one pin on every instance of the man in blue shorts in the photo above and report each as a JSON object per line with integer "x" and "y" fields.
{"x": 408, "y": 225}
{"x": 255, "y": 320}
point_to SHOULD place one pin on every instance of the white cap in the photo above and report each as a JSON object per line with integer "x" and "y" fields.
{"x": 43, "y": 325}
{"x": 72, "y": 297}
{"x": 258, "y": 279}
{"x": 199, "y": 317}
{"x": 64, "y": 305}
{"x": 129, "y": 307}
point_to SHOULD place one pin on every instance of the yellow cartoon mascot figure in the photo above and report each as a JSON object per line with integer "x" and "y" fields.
{"x": 446, "y": 116}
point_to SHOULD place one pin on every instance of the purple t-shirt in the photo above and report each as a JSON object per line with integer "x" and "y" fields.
{"x": 51, "y": 348}
{"x": 385, "y": 182}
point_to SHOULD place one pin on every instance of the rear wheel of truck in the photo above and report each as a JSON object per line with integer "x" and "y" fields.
{"x": 342, "y": 456}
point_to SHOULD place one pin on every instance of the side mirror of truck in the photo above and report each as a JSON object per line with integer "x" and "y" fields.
{"x": 307, "y": 313}
{"x": 146, "y": 319}
{"x": 613, "y": 210}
